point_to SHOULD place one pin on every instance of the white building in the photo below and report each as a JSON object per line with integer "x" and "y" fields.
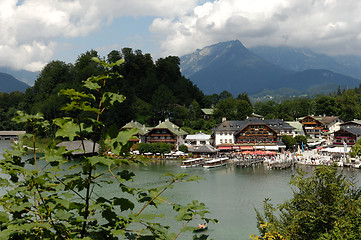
{"x": 198, "y": 139}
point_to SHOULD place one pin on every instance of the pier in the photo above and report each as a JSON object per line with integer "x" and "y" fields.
{"x": 248, "y": 162}
{"x": 279, "y": 165}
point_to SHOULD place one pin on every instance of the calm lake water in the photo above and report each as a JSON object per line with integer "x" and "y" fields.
{"x": 231, "y": 193}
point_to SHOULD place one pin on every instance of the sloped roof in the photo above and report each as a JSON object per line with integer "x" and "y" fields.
{"x": 203, "y": 149}
{"x": 171, "y": 127}
{"x": 296, "y": 125}
{"x": 329, "y": 119}
{"x": 77, "y": 146}
{"x": 11, "y": 133}
{"x": 354, "y": 122}
{"x": 275, "y": 124}
{"x": 198, "y": 136}
{"x": 323, "y": 119}
{"x": 207, "y": 111}
{"x": 354, "y": 130}
{"x": 142, "y": 130}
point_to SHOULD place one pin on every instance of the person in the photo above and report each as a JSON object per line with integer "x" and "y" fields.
{"x": 202, "y": 225}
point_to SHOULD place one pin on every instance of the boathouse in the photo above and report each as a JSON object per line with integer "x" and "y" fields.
{"x": 79, "y": 148}
{"x": 11, "y": 135}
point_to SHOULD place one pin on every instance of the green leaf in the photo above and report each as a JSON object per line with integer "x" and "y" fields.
{"x": 111, "y": 98}
{"x": 125, "y": 204}
{"x": 91, "y": 85}
{"x": 103, "y": 160}
{"x": 68, "y": 129}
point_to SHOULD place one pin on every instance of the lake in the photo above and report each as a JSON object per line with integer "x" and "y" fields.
{"x": 231, "y": 193}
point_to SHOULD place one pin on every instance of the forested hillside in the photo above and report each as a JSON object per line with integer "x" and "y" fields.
{"x": 156, "y": 90}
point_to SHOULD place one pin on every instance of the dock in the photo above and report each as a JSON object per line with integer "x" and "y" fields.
{"x": 243, "y": 163}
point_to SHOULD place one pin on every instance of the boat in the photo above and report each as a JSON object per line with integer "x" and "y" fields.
{"x": 216, "y": 162}
{"x": 201, "y": 228}
{"x": 194, "y": 162}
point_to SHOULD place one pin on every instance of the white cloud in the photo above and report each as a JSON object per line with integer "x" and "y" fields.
{"x": 29, "y": 29}
{"x": 330, "y": 26}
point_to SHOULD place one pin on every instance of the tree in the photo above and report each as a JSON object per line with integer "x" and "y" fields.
{"x": 233, "y": 109}
{"x": 356, "y": 149}
{"x": 289, "y": 141}
{"x": 57, "y": 199}
{"x": 325, "y": 205}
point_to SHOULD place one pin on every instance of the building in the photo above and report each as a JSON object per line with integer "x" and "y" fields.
{"x": 319, "y": 126}
{"x": 142, "y": 131}
{"x": 11, "y": 135}
{"x": 298, "y": 129}
{"x": 354, "y": 123}
{"x": 79, "y": 148}
{"x": 249, "y": 133}
{"x": 203, "y": 151}
{"x": 349, "y": 136}
{"x": 207, "y": 113}
{"x": 313, "y": 127}
{"x": 166, "y": 132}
{"x": 198, "y": 139}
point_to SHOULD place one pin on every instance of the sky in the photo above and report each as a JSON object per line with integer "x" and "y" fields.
{"x": 35, "y": 32}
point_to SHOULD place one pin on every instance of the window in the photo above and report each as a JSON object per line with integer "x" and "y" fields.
{"x": 221, "y": 140}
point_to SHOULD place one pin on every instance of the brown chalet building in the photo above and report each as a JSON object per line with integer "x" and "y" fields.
{"x": 347, "y": 136}
{"x": 317, "y": 126}
{"x": 166, "y": 132}
{"x": 313, "y": 126}
{"x": 349, "y": 133}
{"x": 251, "y": 133}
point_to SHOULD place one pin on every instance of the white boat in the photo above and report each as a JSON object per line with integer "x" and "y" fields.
{"x": 216, "y": 162}
{"x": 194, "y": 162}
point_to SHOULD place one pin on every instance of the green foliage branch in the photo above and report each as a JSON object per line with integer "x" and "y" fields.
{"x": 325, "y": 205}
{"x": 50, "y": 197}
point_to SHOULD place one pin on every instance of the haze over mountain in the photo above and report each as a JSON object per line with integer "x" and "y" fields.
{"x": 229, "y": 66}
{"x": 232, "y": 67}
{"x": 299, "y": 59}
{"x": 9, "y": 84}
{"x": 22, "y": 75}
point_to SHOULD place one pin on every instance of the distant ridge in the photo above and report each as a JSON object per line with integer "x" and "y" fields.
{"x": 229, "y": 66}
{"x": 10, "y": 84}
{"x": 300, "y": 59}
{"x": 22, "y": 75}
{"x": 232, "y": 67}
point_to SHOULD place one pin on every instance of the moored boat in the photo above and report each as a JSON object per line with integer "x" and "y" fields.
{"x": 216, "y": 162}
{"x": 201, "y": 228}
{"x": 194, "y": 162}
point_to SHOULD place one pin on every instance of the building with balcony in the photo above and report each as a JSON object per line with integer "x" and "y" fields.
{"x": 319, "y": 126}
{"x": 349, "y": 136}
{"x": 166, "y": 132}
{"x": 249, "y": 133}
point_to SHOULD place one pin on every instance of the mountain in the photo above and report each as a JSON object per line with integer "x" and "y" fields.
{"x": 299, "y": 59}
{"x": 317, "y": 81}
{"x": 22, "y": 75}
{"x": 229, "y": 66}
{"x": 232, "y": 67}
{"x": 9, "y": 84}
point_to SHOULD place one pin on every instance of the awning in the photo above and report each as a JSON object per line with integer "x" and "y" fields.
{"x": 223, "y": 148}
{"x": 246, "y": 147}
{"x": 274, "y": 148}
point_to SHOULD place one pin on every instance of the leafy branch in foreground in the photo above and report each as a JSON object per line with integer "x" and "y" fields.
{"x": 54, "y": 198}
{"x": 325, "y": 205}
